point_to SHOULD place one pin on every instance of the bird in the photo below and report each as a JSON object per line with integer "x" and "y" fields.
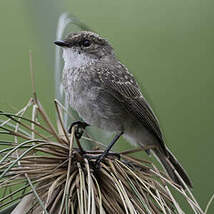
{"x": 106, "y": 95}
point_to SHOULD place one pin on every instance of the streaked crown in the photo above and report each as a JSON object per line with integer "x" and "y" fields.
{"x": 87, "y": 42}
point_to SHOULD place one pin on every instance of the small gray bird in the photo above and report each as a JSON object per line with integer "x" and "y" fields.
{"x": 107, "y": 96}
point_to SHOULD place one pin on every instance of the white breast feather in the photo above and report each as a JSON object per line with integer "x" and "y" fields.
{"x": 73, "y": 59}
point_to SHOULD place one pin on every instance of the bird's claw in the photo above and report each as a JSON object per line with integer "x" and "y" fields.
{"x": 79, "y": 130}
{"x": 99, "y": 158}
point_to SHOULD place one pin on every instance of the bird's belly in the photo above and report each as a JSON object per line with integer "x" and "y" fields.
{"x": 97, "y": 110}
{"x": 100, "y": 109}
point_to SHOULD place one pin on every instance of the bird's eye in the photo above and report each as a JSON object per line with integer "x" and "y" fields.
{"x": 86, "y": 43}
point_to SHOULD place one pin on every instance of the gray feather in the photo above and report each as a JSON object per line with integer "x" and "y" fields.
{"x": 124, "y": 88}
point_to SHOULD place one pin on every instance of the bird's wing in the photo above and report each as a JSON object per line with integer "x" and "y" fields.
{"x": 124, "y": 88}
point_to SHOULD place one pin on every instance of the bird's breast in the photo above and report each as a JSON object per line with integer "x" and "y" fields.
{"x": 90, "y": 100}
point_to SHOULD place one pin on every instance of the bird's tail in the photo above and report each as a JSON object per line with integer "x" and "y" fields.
{"x": 171, "y": 164}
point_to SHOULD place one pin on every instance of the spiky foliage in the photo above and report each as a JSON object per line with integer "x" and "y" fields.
{"x": 43, "y": 170}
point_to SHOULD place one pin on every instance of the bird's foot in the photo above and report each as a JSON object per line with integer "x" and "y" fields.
{"x": 100, "y": 157}
{"x": 79, "y": 129}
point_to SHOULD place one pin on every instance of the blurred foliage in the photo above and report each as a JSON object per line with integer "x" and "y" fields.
{"x": 167, "y": 44}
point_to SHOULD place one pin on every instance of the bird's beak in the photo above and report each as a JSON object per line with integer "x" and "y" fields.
{"x": 61, "y": 43}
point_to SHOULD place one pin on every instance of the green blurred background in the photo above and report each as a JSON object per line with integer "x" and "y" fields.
{"x": 168, "y": 45}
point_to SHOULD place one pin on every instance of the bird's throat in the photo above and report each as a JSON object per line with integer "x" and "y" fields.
{"x": 74, "y": 60}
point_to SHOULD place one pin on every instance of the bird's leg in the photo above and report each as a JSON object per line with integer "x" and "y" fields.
{"x": 106, "y": 152}
{"x": 80, "y": 126}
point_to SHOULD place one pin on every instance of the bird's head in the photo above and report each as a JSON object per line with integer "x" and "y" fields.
{"x": 84, "y": 47}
